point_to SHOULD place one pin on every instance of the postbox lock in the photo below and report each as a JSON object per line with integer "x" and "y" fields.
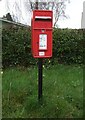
{"x": 43, "y": 31}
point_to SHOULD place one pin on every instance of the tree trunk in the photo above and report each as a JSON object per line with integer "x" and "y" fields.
{"x": 36, "y": 5}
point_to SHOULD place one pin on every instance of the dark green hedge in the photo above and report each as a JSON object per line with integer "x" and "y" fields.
{"x": 68, "y": 45}
{"x": 16, "y": 47}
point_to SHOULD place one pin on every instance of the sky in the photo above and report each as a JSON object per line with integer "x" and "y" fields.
{"x": 73, "y": 11}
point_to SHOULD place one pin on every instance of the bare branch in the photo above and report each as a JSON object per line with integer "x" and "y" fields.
{"x": 57, "y": 6}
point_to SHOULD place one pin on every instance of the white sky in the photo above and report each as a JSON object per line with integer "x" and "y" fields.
{"x": 73, "y": 11}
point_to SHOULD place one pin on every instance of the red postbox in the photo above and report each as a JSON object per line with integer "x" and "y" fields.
{"x": 42, "y": 33}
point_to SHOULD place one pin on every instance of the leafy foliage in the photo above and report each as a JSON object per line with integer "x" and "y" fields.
{"x": 67, "y": 47}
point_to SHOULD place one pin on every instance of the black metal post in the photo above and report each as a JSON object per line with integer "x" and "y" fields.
{"x": 39, "y": 70}
{"x": 40, "y": 78}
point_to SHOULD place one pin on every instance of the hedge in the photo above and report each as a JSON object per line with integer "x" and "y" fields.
{"x": 67, "y": 47}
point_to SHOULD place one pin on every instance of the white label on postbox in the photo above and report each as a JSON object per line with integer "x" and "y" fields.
{"x": 41, "y": 53}
{"x": 42, "y": 42}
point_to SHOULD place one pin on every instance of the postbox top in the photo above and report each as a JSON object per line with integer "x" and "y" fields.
{"x": 42, "y": 19}
{"x": 43, "y": 10}
{"x": 42, "y": 13}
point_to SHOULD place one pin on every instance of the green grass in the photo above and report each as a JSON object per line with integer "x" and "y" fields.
{"x": 62, "y": 92}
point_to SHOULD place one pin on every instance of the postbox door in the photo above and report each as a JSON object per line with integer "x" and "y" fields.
{"x": 42, "y": 43}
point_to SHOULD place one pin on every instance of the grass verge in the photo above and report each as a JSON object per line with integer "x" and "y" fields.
{"x": 62, "y": 92}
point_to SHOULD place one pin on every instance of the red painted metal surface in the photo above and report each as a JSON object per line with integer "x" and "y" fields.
{"x": 42, "y": 33}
